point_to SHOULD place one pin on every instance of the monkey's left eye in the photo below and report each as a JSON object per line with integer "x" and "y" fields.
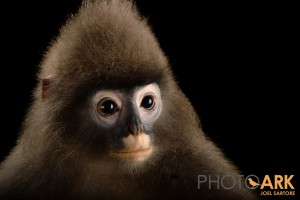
{"x": 148, "y": 102}
{"x": 107, "y": 107}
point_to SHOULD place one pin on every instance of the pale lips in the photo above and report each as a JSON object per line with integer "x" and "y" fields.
{"x": 136, "y": 147}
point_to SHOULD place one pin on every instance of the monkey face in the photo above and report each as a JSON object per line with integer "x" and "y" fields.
{"x": 126, "y": 119}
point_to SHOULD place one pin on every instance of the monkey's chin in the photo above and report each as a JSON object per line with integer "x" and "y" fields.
{"x": 134, "y": 156}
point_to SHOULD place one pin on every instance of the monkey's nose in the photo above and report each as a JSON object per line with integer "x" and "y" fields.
{"x": 135, "y": 128}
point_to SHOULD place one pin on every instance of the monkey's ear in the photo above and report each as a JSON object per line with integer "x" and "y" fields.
{"x": 45, "y": 82}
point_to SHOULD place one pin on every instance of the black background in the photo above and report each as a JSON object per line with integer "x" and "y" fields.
{"x": 236, "y": 63}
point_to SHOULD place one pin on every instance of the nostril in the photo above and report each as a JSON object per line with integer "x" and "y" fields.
{"x": 141, "y": 128}
{"x": 130, "y": 130}
{"x": 133, "y": 129}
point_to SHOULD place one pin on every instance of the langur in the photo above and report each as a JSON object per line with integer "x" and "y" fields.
{"x": 108, "y": 120}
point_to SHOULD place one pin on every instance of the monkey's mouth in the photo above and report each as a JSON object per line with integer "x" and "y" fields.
{"x": 137, "y": 155}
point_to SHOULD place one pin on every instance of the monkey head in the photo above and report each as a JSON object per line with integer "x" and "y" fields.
{"x": 109, "y": 88}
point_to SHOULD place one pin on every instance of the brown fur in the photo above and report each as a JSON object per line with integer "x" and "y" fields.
{"x": 60, "y": 153}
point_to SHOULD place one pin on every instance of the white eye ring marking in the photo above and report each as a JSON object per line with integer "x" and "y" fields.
{"x": 148, "y": 115}
{"x": 103, "y": 96}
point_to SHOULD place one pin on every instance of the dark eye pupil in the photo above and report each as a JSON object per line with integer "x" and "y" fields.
{"x": 108, "y": 107}
{"x": 147, "y": 102}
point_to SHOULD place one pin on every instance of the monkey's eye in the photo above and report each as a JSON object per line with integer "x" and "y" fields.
{"x": 148, "y": 102}
{"x": 107, "y": 107}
